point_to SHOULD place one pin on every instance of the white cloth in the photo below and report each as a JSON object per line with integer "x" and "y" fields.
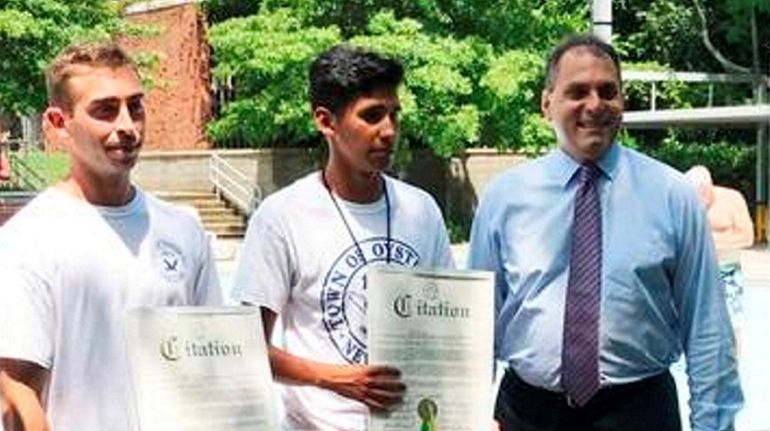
{"x": 72, "y": 272}
{"x": 300, "y": 261}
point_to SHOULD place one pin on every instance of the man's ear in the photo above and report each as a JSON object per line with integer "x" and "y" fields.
{"x": 545, "y": 104}
{"x": 324, "y": 121}
{"x": 55, "y": 117}
{"x": 55, "y": 126}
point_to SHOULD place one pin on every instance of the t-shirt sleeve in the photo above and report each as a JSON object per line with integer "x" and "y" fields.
{"x": 263, "y": 274}
{"x": 27, "y": 315}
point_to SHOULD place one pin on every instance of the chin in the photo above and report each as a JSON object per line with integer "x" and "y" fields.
{"x": 381, "y": 165}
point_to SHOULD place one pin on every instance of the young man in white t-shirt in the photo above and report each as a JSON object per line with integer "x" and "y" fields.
{"x": 86, "y": 251}
{"x": 308, "y": 247}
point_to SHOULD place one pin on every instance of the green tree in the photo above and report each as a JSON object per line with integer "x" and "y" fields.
{"x": 527, "y": 24}
{"x": 696, "y": 35}
{"x": 33, "y": 31}
{"x": 461, "y": 90}
{"x": 266, "y": 56}
{"x": 221, "y": 10}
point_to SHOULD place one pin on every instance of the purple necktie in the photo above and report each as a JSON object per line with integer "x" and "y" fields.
{"x": 580, "y": 349}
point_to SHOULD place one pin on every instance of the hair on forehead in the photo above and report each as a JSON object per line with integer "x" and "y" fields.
{"x": 591, "y": 43}
{"x": 344, "y": 73}
{"x": 72, "y": 61}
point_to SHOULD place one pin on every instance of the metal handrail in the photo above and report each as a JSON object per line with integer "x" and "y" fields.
{"x": 757, "y": 81}
{"x": 234, "y": 185}
{"x": 22, "y": 174}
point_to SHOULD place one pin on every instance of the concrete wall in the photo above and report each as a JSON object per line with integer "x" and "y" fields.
{"x": 456, "y": 184}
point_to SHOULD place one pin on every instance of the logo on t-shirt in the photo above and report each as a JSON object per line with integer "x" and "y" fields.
{"x": 169, "y": 261}
{"x": 343, "y": 296}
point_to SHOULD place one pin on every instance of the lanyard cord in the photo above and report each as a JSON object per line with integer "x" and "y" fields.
{"x": 345, "y": 221}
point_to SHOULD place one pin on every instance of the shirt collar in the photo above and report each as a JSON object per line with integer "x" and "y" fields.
{"x": 565, "y": 167}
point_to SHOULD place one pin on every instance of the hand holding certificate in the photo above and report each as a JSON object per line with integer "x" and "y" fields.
{"x": 200, "y": 369}
{"x": 437, "y": 328}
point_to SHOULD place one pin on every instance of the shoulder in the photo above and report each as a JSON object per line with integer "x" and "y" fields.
{"x": 43, "y": 210}
{"x": 303, "y": 192}
{"x": 414, "y": 200}
{"x": 406, "y": 191}
{"x": 662, "y": 189}
{"x": 655, "y": 175}
{"x": 729, "y": 195}
{"x": 525, "y": 175}
{"x": 181, "y": 215}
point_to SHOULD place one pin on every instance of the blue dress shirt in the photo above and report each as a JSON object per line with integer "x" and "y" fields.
{"x": 661, "y": 295}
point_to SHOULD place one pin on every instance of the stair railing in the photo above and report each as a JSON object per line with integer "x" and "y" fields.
{"x": 233, "y": 185}
{"x": 23, "y": 175}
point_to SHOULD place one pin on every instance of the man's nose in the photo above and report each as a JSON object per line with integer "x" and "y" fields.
{"x": 389, "y": 128}
{"x": 125, "y": 124}
{"x": 593, "y": 101}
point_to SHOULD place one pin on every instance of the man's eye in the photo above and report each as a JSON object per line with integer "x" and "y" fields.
{"x": 136, "y": 109}
{"x": 106, "y": 112}
{"x": 608, "y": 92}
{"x": 576, "y": 93}
{"x": 373, "y": 116}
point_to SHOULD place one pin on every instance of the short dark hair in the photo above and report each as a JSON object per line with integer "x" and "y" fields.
{"x": 68, "y": 63}
{"x": 592, "y": 43}
{"x": 344, "y": 73}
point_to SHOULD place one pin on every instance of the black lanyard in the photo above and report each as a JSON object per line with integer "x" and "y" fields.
{"x": 345, "y": 221}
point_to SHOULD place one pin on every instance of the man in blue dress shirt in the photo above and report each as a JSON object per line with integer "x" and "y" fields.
{"x": 656, "y": 283}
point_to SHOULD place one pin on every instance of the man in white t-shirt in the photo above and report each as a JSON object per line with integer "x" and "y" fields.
{"x": 86, "y": 251}
{"x": 308, "y": 247}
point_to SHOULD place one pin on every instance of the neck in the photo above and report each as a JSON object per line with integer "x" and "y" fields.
{"x": 102, "y": 193}
{"x": 358, "y": 187}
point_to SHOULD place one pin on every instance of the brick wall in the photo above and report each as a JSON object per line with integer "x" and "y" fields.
{"x": 178, "y": 102}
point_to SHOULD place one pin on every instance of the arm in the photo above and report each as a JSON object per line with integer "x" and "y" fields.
{"x": 706, "y": 333}
{"x": 21, "y": 386}
{"x": 264, "y": 276}
{"x": 379, "y": 387}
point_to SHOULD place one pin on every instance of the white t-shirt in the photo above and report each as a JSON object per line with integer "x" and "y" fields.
{"x": 300, "y": 261}
{"x": 72, "y": 270}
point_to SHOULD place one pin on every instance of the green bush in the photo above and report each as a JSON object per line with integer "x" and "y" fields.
{"x": 731, "y": 164}
{"x": 266, "y": 55}
{"x": 459, "y": 93}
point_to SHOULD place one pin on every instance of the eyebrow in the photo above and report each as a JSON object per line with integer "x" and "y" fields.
{"x": 132, "y": 97}
{"x": 396, "y": 107}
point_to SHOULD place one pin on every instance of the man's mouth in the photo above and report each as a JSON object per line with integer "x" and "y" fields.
{"x": 382, "y": 153}
{"x": 124, "y": 148}
{"x": 601, "y": 121}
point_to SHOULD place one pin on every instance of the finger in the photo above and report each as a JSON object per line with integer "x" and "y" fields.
{"x": 385, "y": 398}
{"x": 387, "y": 385}
{"x": 376, "y": 406}
{"x": 383, "y": 370}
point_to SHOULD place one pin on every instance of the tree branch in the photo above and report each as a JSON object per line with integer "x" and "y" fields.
{"x": 724, "y": 61}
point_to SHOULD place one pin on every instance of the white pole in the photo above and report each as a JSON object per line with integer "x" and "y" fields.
{"x": 602, "y": 19}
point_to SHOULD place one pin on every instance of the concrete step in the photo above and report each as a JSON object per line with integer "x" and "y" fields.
{"x": 204, "y": 203}
{"x": 226, "y": 231}
{"x": 217, "y": 216}
{"x": 222, "y": 218}
{"x": 184, "y": 195}
{"x": 216, "y": 224}
{"x": 217, "y": 210}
